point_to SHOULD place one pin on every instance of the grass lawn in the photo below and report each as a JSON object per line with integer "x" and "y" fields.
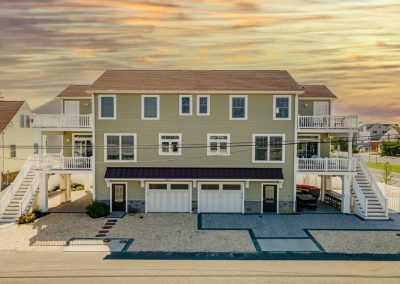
{"x": 379, "y": 166}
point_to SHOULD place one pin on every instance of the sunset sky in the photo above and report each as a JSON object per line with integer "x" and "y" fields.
{"x": 351, "y": 46}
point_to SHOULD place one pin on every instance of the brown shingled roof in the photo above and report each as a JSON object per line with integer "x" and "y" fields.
{"x": 196, "y": 80}
{"x": 75, "y": 91}
{"x": 8, "y": 109}
{"x": 316, "y": 91}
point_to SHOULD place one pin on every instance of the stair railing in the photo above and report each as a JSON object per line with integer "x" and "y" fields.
{"x": 361, "y": 199}
{"x": 29, "y": 195}
{"x": 374, "y": 186}
{"x": 12, "y": 189}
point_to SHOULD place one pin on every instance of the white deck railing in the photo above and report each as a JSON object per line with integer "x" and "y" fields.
{"x": 360, "y": 209}
{"x": 59, "y": 162}
{"x": 62, "y": 120}
{"x": 25, "y": 202}
{"x": 326, "y": 164}
{"x": 327, "y": 122}
{"x": 12, "y": 189}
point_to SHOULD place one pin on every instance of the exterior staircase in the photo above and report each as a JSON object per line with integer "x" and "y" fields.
{"x": 18, "y": 198}
{"x": 369, "y": 202}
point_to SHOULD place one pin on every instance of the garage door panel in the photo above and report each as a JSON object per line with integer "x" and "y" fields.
{"x": 167, "y": 200}
{"x": 224, "y": 201}
{"x": 210, "y": 200}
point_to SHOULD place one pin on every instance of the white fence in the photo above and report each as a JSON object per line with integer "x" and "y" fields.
{"x": 327, "y": 122}
{"x": 62, "y": 120}
{"x": 326, "y": 164}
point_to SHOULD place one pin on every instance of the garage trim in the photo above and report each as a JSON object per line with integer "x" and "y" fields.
{"x": 199, "y": 184}
{"x": 147, "y": 183}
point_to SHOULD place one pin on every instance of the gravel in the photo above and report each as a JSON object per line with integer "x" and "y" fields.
{"x": 377, "y": 242}
{"x": 168, "y": 232}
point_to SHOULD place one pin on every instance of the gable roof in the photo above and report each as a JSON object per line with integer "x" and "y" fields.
{"x": 8, "y": 109}
{"x": 195, "y": 80}
{"x": 316, "y": 91}
{"x": 75, "y": 91}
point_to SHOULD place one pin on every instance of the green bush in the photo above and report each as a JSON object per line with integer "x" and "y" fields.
{"x": 97, "y": 209}
{"x": 26, "y": 218}
{"x": 390, "y": 148}
{"x": 79, "y": 187}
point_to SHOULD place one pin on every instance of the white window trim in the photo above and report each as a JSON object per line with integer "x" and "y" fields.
{"x": 120, "y": 148}
{"x": 75, "y": 138}
{"x": 161, "y": 153}
{"x": 208, "y": 105}
{"x": 253, "y": 154}
{"x": 245, "y": 109}
{"x": 115, "y": 107}
{"x": 180, "y": 104}
{"x": 289, "y": 110}
{"x": 158, "y": 107}
{"x": 300, "y": 139}
{"x": 228, "y": 152}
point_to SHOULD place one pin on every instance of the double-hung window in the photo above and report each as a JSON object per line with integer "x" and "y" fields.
{"x": 203, "y": 105}
{"x": 107, "y": 107}
{"x": 120, "y": 147}
{"x": 218, "y": 144}
{"x": 170, "y": 144}
{"x": 151, "y": 107}
{"x": 238, "y": 107}
{"x": 185, "y": 105}
{"x": 13, "y": 151}
{"x": 268, "y": 148}
{"x": 282, "y": 107}
{"x": 24, "y": 121}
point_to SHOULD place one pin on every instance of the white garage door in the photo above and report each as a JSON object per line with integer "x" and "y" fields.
{"x": 224, "y": 198}
{"x": 168, "y": 197}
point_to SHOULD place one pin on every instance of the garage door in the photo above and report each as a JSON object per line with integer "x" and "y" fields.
{"x": 168, "y": 197}
{"x": 224, "y": 198}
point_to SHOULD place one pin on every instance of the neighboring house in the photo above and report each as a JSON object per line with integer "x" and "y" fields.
{"x": 372, "y": 133}
{"x": 229, "y": 141}
{"x": 17, "y": 138}
{"x": 393, "y": 134}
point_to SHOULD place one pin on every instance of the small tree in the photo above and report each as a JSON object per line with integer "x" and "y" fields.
{"x": 387, "y": 175}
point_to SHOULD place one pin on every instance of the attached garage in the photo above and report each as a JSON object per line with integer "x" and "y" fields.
{"x": 221, "y": 197}
{"x": 168, "y": 197}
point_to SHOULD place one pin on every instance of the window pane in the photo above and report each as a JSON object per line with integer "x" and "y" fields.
{"x": 27, "y": 121}
{"x": 165, "y": 147}
{"x": 119, "y": 193}
{"x": 13, "y": 151}
{"x": 238, "y": 107}
{"x": 158, "y": 186}
{"x": 185, "y": 105}
{"x": 203, "y": 105}
{"x": 36, "y": 148}
{"x": 22, "y": 121}
{"x": 223, "y": 147}
{"x": 150, "y": 107}
{"x": 213, "y": 146}
{"x": 210, "y": 186}
{"x": 107, "y": 107}
{"x": 261, "y": 147}
{"x": 179, "y": 186}
{"x": 128, "y": 147}
{"x": 113, "y": 147}
{"x": 276, "y": 153}
{"x": 175, "y": 148}
{"x": 282, "y": 107}
{"x": 231, "y": 187}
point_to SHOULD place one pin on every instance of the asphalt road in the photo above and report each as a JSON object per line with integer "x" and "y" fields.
{"x": 379, "y": 159}
{"x": 50, "y": 267}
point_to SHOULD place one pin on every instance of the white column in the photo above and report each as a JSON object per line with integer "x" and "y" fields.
{"x": 350, "y": 145}
{"x": 346, "y": 194}
{"x": 69, "y": 187}
{"x": 63, "y": 188}
{"x": 323, "y": 187}
{"x": 43, "y": 192}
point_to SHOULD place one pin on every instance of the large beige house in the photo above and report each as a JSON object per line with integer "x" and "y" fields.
{"x": 17, "y": 138}
{"x": 226, "y": 141}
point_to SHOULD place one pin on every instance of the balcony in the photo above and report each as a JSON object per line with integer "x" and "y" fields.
{"x": 63, "y": 121}
{"x": 57, "y": 162}
{"x": 327, "y": 122}
{"x": 326, "y": 165}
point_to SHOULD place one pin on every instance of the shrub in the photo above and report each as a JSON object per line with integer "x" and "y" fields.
{"x": 97, "y": 209}
{"x": 26, "y": 218}
{"x": 390, "y": 148}
{"x": 79, "y": 187}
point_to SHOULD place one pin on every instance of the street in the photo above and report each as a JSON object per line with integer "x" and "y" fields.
{"x": 45, "y": 267}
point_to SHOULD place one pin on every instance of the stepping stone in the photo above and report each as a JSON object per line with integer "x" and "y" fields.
{"x": 100, "y": 235}
{"x": 104, "y": 231}
{"x": 107, "y": 227}
{"x": 113, "y": 220}
{"x": 109, "y": 224}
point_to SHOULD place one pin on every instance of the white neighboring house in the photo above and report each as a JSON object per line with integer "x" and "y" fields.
{"x": 17, "y": 138}
{"x": 392, "y": 134}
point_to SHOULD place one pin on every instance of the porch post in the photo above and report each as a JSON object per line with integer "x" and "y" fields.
{"x": 43, "y": 192}
{"x": 350, "y": 146}
{"x": 69, "y": 186}
{"x": 346, "y": 194}
{"x": 63, "y": 188}
{"x": 323, "y": 187}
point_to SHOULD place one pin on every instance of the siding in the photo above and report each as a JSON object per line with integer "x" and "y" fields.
{"x": 194, "y": 130}
{"x": 85, "y": 105}
{"x": 306, "y": 107}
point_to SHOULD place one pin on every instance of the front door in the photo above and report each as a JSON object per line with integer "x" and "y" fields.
{"x": 118, "y": 197}
{"x": 270, "y": 197}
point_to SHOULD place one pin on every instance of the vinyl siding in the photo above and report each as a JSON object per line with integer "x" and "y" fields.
{"x": 306, "y": 107}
